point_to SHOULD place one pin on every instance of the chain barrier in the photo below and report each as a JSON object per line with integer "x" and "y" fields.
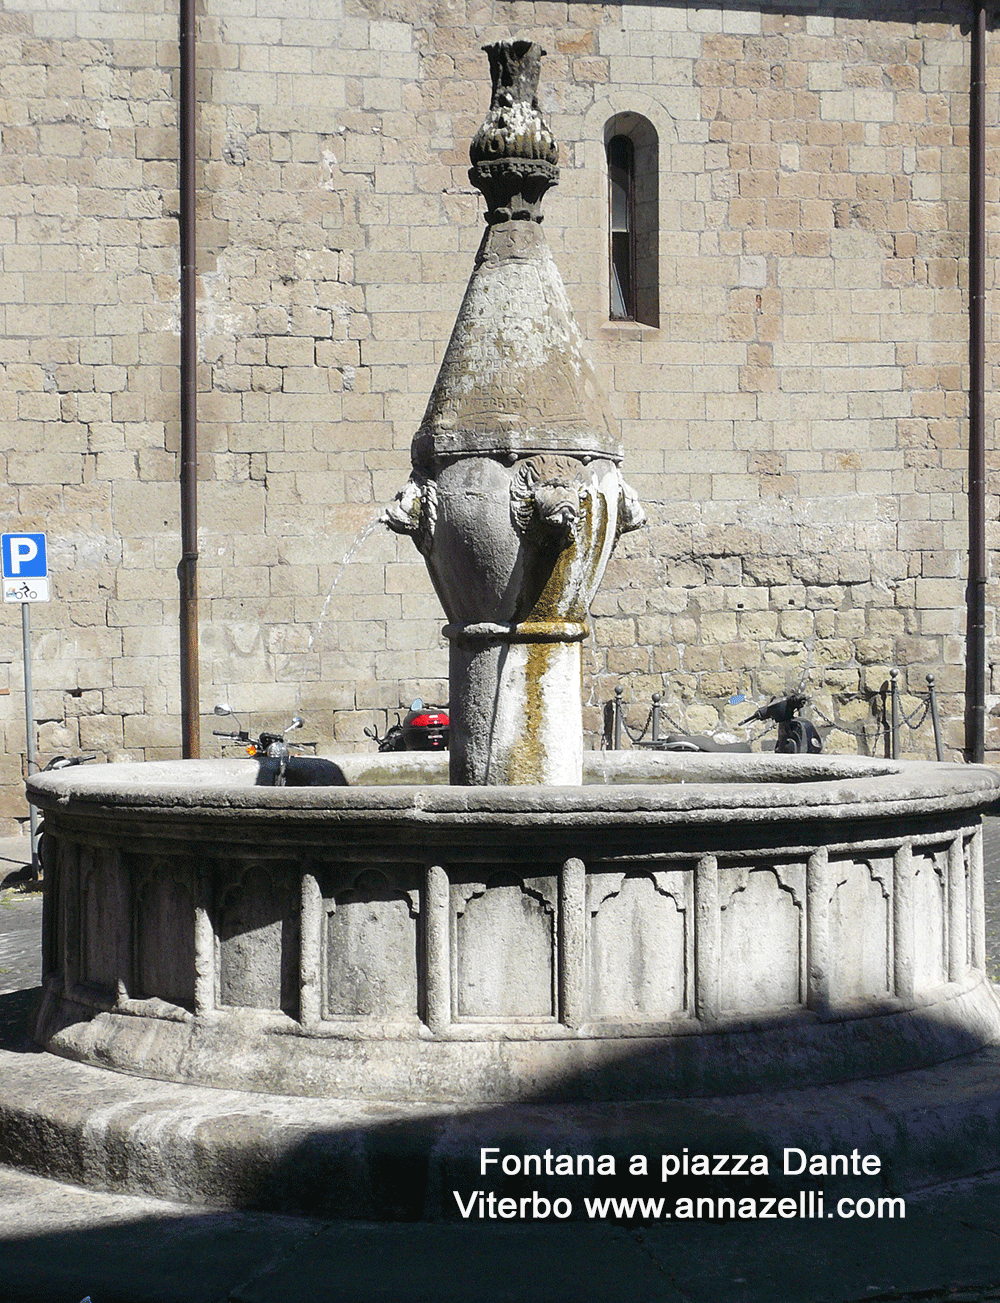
{"x": 636, "y": 738}
{"x": 869, "y": 737}
{"x": 619, "y": 722}
{"x": 890, "y": 720}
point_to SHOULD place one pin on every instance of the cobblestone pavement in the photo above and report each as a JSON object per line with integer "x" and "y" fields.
{"x": 20, "y": 919}
{"x": 20, "y": 940}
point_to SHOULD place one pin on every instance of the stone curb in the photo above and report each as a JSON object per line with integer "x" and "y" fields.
{"x": 341, "y": 1159}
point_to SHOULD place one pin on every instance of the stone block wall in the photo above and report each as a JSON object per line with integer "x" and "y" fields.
{"x": 796, "y": 424}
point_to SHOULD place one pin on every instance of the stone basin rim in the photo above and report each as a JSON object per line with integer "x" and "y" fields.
{"x": 837, "y": 788}
{"x": 187, "y": 908}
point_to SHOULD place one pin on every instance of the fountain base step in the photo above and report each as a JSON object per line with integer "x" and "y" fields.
{"x": 407, "y": 1162}
{"x": 546, "y": 1063}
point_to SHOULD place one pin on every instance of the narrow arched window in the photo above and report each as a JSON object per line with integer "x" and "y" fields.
{"x": 633, "y": 219}
{"x": 621, "y": 226}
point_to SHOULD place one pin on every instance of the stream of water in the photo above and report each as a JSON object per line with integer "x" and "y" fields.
{"x": 360, "y": 539}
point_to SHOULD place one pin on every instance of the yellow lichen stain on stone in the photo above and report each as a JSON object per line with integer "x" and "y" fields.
{"x": 600, "y": 531}
{"x": 552, "y": 598}
{"x": 566, "y": 593}
{"x": 528, "y": 758}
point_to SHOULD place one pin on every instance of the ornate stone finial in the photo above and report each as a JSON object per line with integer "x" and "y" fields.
{"x": 514, "y": 154}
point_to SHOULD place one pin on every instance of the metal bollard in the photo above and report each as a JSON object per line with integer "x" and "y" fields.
{"x": 894, "y": 701}
{"x": 655, "y": 726}
{"x": 936, "y": 723}
{"x": 618, "y": 718}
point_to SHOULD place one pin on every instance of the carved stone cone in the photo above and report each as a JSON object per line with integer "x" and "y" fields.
{"x": 515, "y": 498}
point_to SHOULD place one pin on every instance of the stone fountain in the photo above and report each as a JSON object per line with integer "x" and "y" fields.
{"x": 549, "y": 925}
{"x": 516, "y": 505}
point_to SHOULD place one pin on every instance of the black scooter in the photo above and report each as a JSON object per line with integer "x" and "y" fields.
{"x": 795, "y": 736}
{"x": 270, "y": 746}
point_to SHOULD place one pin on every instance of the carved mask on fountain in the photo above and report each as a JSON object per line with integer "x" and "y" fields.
{"x": 515, "y": 498}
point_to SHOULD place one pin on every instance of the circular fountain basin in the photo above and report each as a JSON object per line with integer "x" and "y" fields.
{"x": 680, "y": 925}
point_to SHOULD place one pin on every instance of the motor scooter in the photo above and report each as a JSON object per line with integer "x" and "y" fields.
{"x": 266, "y": 745}
{"x": 795, "y": 736}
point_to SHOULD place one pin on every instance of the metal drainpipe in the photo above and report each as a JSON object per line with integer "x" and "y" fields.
{"x": 975, "y": 679}
{"x": 187, "y": 571}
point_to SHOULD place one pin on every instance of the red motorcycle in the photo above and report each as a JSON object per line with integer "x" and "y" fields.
{"x": 424, "y": 728}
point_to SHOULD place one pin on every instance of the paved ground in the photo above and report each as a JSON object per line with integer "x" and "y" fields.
{"x": 20, "y": 929}
{"x": 60, "y": 1243}
{"x": 20, "y": 919}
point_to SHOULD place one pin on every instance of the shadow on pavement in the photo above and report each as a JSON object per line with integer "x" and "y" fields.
{"x": 18, "y": 1010}
{"x": 118, "y": 1250}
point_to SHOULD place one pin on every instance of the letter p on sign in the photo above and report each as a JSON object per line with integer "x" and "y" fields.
{"x": 24, "y": 556}
{"x": 22, "y": 551}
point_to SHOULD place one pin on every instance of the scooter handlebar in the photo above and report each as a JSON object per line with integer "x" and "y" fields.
{"x": 782, "y": 710}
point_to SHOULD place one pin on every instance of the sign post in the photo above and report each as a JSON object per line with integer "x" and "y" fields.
{"x": 26, "y": 580}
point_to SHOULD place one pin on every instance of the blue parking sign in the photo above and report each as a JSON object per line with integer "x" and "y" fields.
{"x": 25, "y": 568}
{"x": 23, "y": 556}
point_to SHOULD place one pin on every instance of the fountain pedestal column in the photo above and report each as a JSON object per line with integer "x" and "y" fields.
{"x": 532, "y": 672}
{"x": 515, "y": 498}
